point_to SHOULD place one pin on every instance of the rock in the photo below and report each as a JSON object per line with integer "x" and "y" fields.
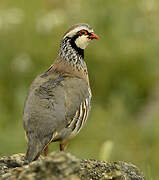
{"x": 64, "y": 166}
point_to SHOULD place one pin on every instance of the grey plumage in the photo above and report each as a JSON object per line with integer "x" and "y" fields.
{"x": 45, "y": 112}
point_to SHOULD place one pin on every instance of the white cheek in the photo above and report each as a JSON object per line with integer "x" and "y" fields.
{"x": 82, "y": 41}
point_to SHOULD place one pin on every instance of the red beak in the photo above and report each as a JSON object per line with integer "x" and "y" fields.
{"x": 93, "y": 36}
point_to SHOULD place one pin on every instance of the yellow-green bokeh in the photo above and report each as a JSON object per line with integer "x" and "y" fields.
{"x": 123, "y": 68}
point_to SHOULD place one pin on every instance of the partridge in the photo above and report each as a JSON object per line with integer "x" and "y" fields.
{"x": 58, "y": 101}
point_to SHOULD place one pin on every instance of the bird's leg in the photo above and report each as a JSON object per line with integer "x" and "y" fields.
{"x": 63, "y": 145}
{"x": 46, "y": 150}
{"x": 62, "y": 148}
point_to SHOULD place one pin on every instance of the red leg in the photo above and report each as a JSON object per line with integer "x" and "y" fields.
{"x": 63, "y": 145}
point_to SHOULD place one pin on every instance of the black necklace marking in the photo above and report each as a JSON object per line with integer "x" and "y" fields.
{"x": 71, "y": 53}
{"x": 73, "y": 44}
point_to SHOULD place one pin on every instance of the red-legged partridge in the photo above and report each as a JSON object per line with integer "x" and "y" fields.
{"x": 58, "y": 100}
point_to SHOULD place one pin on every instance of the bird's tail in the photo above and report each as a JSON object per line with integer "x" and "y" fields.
{"x": 35, "y": 148}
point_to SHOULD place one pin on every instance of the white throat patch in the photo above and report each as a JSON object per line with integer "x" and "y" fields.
{"x": 82, "y": 41}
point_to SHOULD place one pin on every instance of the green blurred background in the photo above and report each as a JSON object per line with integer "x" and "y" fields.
{"x": 123, "y": 68}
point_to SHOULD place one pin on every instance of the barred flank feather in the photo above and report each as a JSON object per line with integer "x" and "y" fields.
{"x": 80, "y": 117}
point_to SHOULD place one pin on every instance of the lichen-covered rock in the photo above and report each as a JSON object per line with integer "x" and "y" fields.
{"x": 63, "y": 166}
{"x": 9, "y": 162}
{"x": 57, "y": 166}
{"x": 93, "y": 169}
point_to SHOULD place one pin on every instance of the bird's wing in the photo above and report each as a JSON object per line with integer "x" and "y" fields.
{"x": 53, "y": 101}
{"x": 44, "y": 110}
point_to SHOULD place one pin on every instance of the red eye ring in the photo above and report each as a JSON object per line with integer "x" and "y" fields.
{"x": 83, "y": 32}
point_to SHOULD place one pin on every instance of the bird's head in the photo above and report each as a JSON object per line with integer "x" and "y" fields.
{"x": 80, "y": 35}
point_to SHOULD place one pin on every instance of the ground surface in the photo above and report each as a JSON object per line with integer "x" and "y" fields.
{"x": 63, "y": 166}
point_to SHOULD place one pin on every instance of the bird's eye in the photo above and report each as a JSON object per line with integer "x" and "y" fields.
{"x": 83, "y": 32}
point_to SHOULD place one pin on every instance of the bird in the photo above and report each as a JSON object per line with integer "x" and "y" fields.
{"x": 59, "y": 100}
